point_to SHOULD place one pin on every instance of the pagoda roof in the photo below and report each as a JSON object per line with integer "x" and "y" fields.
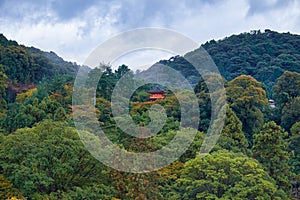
{"x": 156, "y": 90}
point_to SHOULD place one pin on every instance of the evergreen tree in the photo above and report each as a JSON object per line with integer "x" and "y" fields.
{"x": 270, "y": 149}
{"x": 290, "y": 113}
{"x": 294, "y": 145}
{"x": 232, "y": 137}
{"x": 212, "y": 81}
{"x": 247, "y": 99}
{"x": 286, "y": 88}
{"x": 60, "y": 114}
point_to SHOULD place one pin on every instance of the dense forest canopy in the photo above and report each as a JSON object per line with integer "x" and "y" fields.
{"x": 263, "y": 55}
{"x": 29, "y": 64}
{"x": 256, "y": 157}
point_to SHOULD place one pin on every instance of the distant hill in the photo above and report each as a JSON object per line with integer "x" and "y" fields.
{"x": 30, "y": 65}
{"x": 263, "y": 55}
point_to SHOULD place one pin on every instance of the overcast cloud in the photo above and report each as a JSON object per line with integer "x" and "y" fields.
{"x": 73, "y": 28}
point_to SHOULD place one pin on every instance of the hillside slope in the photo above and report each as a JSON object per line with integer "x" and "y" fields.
{"x": 263, "y": 55}
{"x": 30, "y": 65}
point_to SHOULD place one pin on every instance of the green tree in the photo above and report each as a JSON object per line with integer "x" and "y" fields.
{"x": 49, "y": 106}
{"x": 265, "y": 55}
{"x": 271, "y": 150}
{"x": 204, "y": 97}
{"x": 247, "y": 99}
{"x": 27, "y": 114}
{"x": 3, "y": 86}
{"x": 294, "y": 145}
{"x": 139, "y": 186}
{"x": 107, "y": 81}
{"x": 21, "y": 116}
{"x": 48, "y": 158}
{"x": 94, "y": 191}
{"x": 121, "y": 71}
{"x": 232, "y": 137}
{"x": 290, "y": 113}
{"x": 60, "y": 114}
{"x": 295, "y": 129}
{"x": 18, "y": 62}
{"x": 104, "y": 107}
{"x": 224, "y": 175}
{"x": 7, "y": 191}
{"x": 286, "y": 88}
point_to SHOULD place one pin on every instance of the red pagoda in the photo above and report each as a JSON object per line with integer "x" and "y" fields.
{"x": 156, "y": 93}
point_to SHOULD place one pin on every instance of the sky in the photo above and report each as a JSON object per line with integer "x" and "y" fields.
{"x": 73, "y": 28}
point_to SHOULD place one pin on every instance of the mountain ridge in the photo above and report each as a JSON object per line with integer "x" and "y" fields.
{"x": 263, "y": 55}
{"x": 32, "y": 65}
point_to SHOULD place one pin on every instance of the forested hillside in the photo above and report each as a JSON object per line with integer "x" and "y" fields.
{"x": 263, "y": 55}
{"x": 31, "y": 65}
{"x": 256, "y": 157}
{"x": 27, "y": 66}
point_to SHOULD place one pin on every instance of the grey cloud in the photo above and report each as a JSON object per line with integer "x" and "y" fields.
{"x": 143, "y": 12}
{"x": 133, "y": 13}
{"x": 18, "y": 9}
{"x": 63, "y": 9}
{"x": 96, "y": 20}
{"x": 259, "y": 6}
{"x": 68, "y": 9}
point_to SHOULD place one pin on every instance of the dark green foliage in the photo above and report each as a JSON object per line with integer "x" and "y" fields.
{"x": 106, "y": 82}
{"x": 286, "y": 95}
{"x": 286, "y": 88}
{"x": 4, "y": 42}
{"x": 290, "y": 113}
{"x": 247, "y": 99}
{"x": 108, "y": 79}
{"x": 60, "y": 114}
{"x": 263, "y": 55}
{"x": 7, "y": 191}
{"x": 104, "y": 107}
{"x": 204, "y": 96}
{"x": 25, "y": 115}
{"x": 184, "y": 67}
{"x": 121, "y": 71}
{"x": 28, "y": 64}
{"x": 295, "y": 129}
{"x": 18, "y": 63}
{"x": 3, "y": 86}
{"x": 94, "y": 191}
{"x": 232, "y": 137}
{"x": 204, "y": 100}
{"x": 42, "y": 157}
{"x": 224, "y": 175}
{"x": 270, "y": 149}
{"x": 294, "y": 145}
{"x": 48, "y": 158}
{"x": 3, "y": 83}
